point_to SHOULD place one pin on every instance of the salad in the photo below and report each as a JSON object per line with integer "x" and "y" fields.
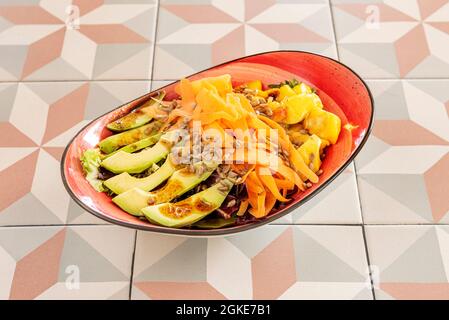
{"x": 216, "y": 155}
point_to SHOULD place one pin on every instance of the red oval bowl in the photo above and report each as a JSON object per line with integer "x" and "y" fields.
{"x": 342, "y": 91}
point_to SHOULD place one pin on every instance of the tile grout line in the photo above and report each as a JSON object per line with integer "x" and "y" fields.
{"x": 331, "y": 12}
{"x": 364, "y": 78}
{"x": 355, "y": 170}
{"x": 270, "y": 224}
{"x": 133, "y": 258}
{"x": 73, "y": 80}
{"x": 364, "y": 232}
{"x": 155, "y": 40}
{"x": 59, "y": 225}
{"x": 132, "y": 266}
{"x": 173, "y": 80}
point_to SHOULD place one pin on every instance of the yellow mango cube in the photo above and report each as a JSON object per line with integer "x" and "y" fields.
{"x": 222, "y": 83}
{"x": 324, "y": 124}
{"x": 298, "y": 138}
{"x": 254, "y": 85}
{"x": 302, "y": 88}
{"x": 285, "y": 91}
{"x": 310, "y": 152}
{"x": 299, "y": 106}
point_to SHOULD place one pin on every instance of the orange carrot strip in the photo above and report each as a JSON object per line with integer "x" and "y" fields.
{"x": 187, "y": 95}
{"x": 290, "y": 174}
{"x": 284, "y": 184}
{"x": 270, "y": 201}
{"x": 294, "y": 156}
{"x": 253, "y": 182}
{"x": 243, "y": 167}
{"x": 268, "y": 181}
{"x": 243, "y": 207}
{"x": 261, "y": 205}
{"x": 208, "y": 117}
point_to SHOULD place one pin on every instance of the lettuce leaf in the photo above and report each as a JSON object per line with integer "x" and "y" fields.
{"x": 91, "y": 160}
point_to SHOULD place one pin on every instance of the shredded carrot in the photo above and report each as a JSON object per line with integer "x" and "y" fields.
{"x": 246, "y": 169}
{"x": 253, "y": 183}
{"x": 243, "y": 207}
{"x": 187, "y": 95}
{"x": 268, "y": 180}
{"x": 294, "y": 156}
{"x": 270, "y": 201}
{"x": 284, "y": 184}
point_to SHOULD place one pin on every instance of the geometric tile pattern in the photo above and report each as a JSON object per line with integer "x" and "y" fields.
{"x": 76, "y": 59}
{"x": 394, "y": 38}
{"x": 236, "y": 28}
{"x": 65, "y": 263}
{"x": 273, "y": 262}
{"x": 403, "y": 171}
{"x": 37, "y": 121}
{"x": 338, "y": 204}
{"x": 416, "y": 264}
{"x": 76, "y": 39}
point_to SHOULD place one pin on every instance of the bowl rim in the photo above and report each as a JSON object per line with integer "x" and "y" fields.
{"x": 234, "y": 229}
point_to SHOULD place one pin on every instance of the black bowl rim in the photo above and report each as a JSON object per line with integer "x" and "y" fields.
{"x": 234, "y": 229}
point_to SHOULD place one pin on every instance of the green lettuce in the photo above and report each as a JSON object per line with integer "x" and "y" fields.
{"x": 91, "y": 160}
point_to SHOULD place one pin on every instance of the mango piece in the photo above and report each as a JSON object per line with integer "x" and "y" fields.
{"x": 302, "y": 88}
{"x": 222, "y": 83}
{"x": 299, "y": 106}
{"x": 298, "y": 138}
{"x": 274, "y": 92}
{"x": 310, "y": 152}
{"x": 324, "y": 144}
{"x": 324, "y": 124}
{"x": 254, "y": 85}
{"x": 285, "y": 91}
{"x": 273, "y": 105}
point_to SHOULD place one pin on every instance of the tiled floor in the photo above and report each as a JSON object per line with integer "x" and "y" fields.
{"x": 379, "y": 231}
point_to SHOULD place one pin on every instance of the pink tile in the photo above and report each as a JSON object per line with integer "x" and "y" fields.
{"x": 389, "y": 39}
{"x": 188, "y": 42}
{"x": 81, "y": 262}
{"x": 55, "y": 111}
{"x": 90, "y": 40}
{"x": 272, "y": 262}
{"x": 401, "y": 171}
{"x": 409, "y": 262}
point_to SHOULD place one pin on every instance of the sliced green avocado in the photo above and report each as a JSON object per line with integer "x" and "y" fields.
{"x": 215, "y": 223}
{"x": 140, "y": 161}
{"x": 190, "y": 210}
{"x": 183, "y": 180}
{"x": 139, "y": 145}
{"x": 116, "y": 141}
{"x": 133, "y": 202}
{"x": 124, "y": 181}
{"x": 138, "y": 117}
{"x": 179, "y": 183}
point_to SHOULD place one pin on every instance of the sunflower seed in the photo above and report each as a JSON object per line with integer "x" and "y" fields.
{"x": 231, "y": 203}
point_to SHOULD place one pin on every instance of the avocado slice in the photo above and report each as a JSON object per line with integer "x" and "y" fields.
{"x": 190, "y": 210}
{"x": 179, "y": 183}
{"x": 139, "y": 116}
{"x": 124, "y": 181}
{"x": 183, "y": 180}
{"x": 136, "y": 146}
{"x": 133, "y": 201}
{"x": 215, "y": 223}
{"x": 140, "y": 161}
{"x": 116, "y": 141}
